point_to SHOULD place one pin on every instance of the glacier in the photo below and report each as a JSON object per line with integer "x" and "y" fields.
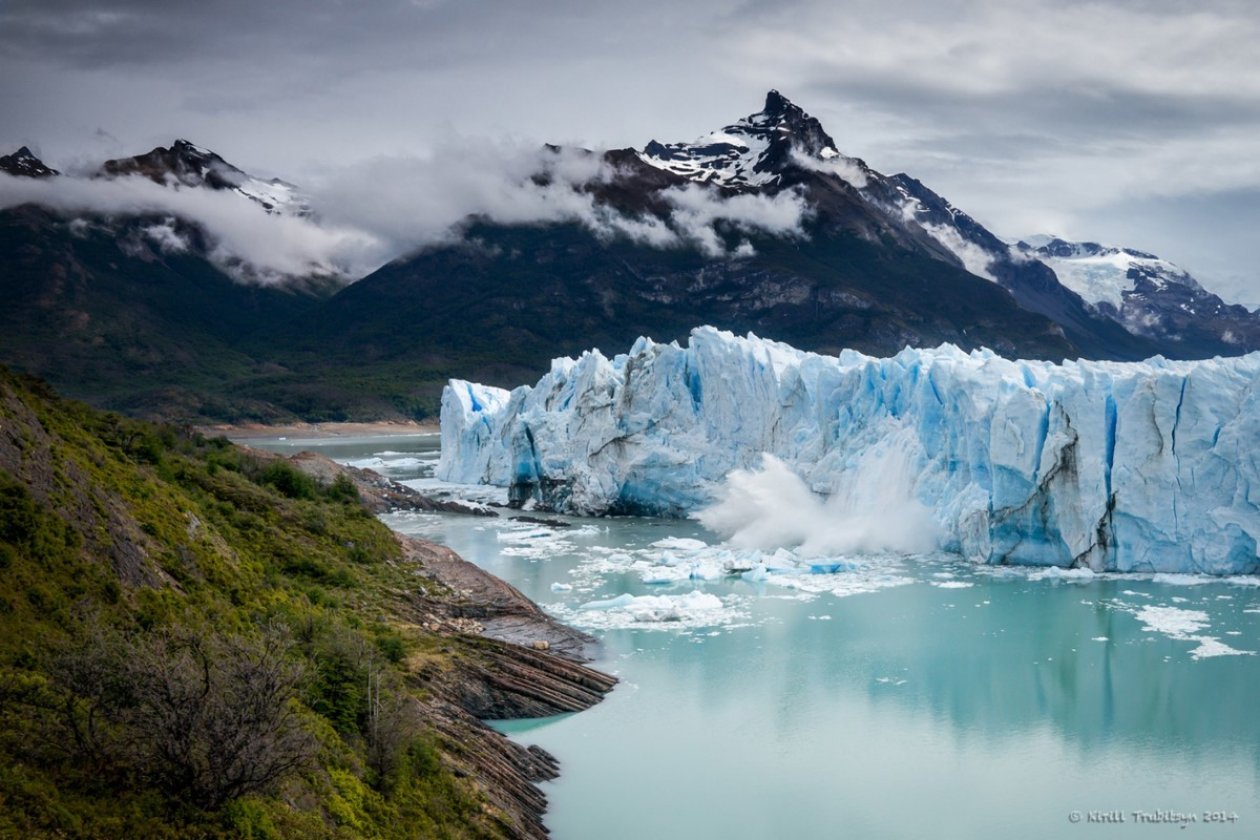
{"x": 1107, "y": 466}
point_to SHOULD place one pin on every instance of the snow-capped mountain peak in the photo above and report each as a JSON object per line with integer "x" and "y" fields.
{"x": 186, "y": 164}
{"x": 751, "y": 152}
{"x": 1147, "y": 295}
{"x": 1104, "y": 274}
{"x": 24, "y": 164}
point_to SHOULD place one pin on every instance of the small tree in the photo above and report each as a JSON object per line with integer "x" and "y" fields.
{"x": 204, "y": 718}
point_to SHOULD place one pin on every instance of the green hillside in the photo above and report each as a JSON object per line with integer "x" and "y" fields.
{"x": 201, "y": 641}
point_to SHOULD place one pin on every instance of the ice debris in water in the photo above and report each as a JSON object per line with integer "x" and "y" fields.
{"x": 1186, "y": 625}
{"x": 686, "y": 610}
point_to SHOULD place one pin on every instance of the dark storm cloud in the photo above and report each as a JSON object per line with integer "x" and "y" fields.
{"x": 151, "y": 32}
{"x": 1030, "y": 114}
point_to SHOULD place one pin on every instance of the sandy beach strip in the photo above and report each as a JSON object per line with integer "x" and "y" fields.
{"x": 246, "y": 431}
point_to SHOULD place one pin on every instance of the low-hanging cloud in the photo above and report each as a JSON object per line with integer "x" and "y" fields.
{"x": 698, "y": 210}
{"x": 245, "y": 239}
{"x": 368, "y": 213}
{"x": 416, "y": 201}
{"x": 847, "y": 169}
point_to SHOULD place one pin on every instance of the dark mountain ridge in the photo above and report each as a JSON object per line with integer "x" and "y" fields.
{"x": 111, "y": 313}
{"x": 24, "y": 164}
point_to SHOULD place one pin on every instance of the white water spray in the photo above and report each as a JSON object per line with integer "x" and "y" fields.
{"x": 874, "y": 508}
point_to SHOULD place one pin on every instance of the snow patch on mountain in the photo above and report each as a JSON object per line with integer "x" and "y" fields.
{"x": 751, "y": 152}
{"x": 1102, "y": 274}
{"x": 24, "y": 164}
{"x": 723, "y": 158}
{"x": 186, "y": 164}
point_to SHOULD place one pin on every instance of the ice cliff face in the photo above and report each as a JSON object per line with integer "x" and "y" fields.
{"x": 1129, "y": 467}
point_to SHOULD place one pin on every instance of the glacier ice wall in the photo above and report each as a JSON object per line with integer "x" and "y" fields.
{"x": 1116, "y": 466}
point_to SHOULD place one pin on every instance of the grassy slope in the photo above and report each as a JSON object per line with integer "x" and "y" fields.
{"x": 120, "y": 531}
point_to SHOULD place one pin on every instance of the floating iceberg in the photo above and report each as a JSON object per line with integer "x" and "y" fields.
{"x": 1099, "y": 465}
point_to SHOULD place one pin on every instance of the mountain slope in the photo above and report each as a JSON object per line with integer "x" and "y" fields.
{"x": 1033, "y": 284}
{"x": 857, "y": 273}
{"x": 188, "y": 165}
{"x": 1150, "y": 297}
{"x": 140, "y": 311}
{"x": 505, "y": 310}
{"x": 101, "y": 308}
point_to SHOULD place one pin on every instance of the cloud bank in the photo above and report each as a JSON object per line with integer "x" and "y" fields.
{"x": 413, "y": 201}
{"x": 272, "y": 248}
{"x": 1129, "y": 122}
{"x": 371, "y": 212}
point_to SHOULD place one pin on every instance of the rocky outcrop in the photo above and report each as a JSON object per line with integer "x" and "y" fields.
{"x": 512, "y": 660}
{"x": 378, "y": 493}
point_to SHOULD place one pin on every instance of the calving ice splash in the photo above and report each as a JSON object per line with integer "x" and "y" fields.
{"x": 1112, "y": 466}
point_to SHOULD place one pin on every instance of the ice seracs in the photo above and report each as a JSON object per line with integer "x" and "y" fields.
{"x": 1100, "y": 465}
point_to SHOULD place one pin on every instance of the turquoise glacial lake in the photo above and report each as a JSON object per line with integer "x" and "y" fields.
{"x": 899, "y": 697}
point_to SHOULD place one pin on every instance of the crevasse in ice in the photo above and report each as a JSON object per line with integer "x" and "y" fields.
{"x": 1144, "y": 466}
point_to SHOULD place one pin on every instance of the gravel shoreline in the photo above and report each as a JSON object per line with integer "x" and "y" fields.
{"x": 249, "y": 431}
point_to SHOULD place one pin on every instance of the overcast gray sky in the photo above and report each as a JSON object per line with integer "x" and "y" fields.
{"x": 1129, "y": 122}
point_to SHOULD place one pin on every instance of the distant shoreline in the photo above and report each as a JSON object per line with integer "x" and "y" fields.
{"x": 243, "y": 431}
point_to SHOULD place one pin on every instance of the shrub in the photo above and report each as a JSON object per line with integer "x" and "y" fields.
{"x": 207, "y": 719}
{"x": 289, "y": 481}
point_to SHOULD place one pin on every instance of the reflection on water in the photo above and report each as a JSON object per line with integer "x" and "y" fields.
{"x": 941, "y": 700}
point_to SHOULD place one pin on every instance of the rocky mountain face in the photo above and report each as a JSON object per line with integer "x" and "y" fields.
{"x": 763, "y": 225}
{"x": 1149, "y": 296}
{"x": 782, "y": 146}
{"x": 24, "y": 164}
{"x": 859, "y": 273}
{"x": 185, "y": 164}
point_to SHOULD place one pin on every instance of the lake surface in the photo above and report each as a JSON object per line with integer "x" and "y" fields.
{"x": 899, "y": 697}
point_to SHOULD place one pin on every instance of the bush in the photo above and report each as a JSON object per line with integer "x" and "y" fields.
{"x": 343, "y": 490}
{"x": 207, "y": 719}
{"x": 289, "y": 481}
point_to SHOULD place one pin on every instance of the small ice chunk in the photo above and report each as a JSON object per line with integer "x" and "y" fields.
{"x": 756, "y": 574}
{"x": 680, "y": 544}
{"x": 1080, "y": 575}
